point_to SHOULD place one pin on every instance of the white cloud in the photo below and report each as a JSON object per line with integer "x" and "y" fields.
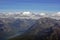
{"x": 27, "y": 13}
{"x": 42, "y": 14}
{"x": 56, "y": 14}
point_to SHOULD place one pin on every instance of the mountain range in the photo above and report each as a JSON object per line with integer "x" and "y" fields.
{"x": 43, "y": 29}
{"x": 31, "y": 27}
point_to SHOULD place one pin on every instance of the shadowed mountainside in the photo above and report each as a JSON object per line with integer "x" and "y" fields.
{"x": 43, "y": 29}
{"x": 11, "y": 27}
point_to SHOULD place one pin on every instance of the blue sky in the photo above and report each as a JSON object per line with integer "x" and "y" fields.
{"x": 30, "y": 5}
